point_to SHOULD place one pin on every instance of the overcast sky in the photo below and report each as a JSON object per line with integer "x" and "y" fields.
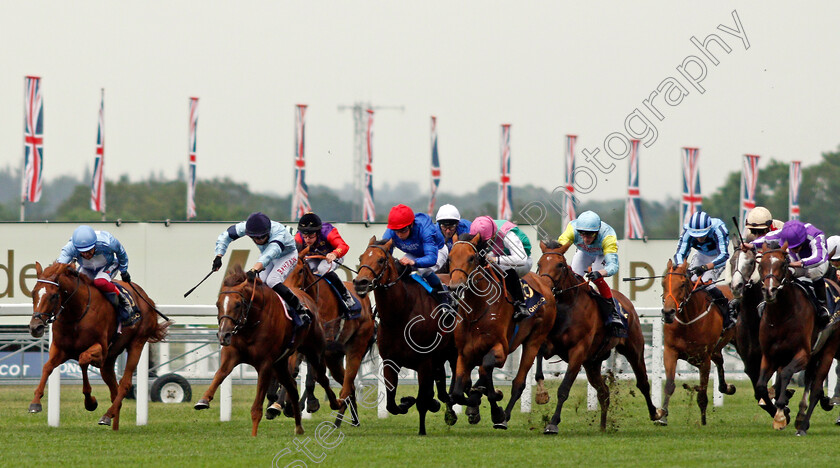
{"x": 547, "y": 68}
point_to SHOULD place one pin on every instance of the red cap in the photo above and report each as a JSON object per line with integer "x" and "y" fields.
{"x": 400, "y": 217}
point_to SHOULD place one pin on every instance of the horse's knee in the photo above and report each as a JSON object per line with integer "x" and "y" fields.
{"x": 670, "y": 386}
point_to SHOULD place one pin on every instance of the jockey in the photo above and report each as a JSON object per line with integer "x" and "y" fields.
{"x": 807, "y": 248}
{"x": 511, "y": 250}
{"x": 596, "y": 245}
{"x": 422, "y": 243}
{"x": 833, "y": 247}
{"x": 324, "y": 239}
{"x": 278, "y": 257}
{"x": 100, "y": 255}
{"x": 760, "y": 222}
{"x": 450, "y": 223}
{"x": 709, "y": 237}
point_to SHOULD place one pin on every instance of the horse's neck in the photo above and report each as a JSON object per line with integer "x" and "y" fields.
{"x": 697, "y": 304}
{"x": 393, "y": 302}
{"x": 77, "y": 296}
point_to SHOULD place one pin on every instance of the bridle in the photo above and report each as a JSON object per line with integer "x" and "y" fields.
{"x": 240, "y": 322}
{"x": 690, "y": 290}
{"x": 555, "y": 290}
{"x": 785, "y": 275}
{"x": 53, "y": 315}
{"x": 377, "y": 277}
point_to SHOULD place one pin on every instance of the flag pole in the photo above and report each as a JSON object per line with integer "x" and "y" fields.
{"x": 23, "y": 169}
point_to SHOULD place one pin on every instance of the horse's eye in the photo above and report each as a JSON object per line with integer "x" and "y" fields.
{"x": 381, "y": 261}
{"x": 471, "y": 259}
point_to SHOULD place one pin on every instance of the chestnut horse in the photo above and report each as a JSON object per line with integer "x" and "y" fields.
{"x": 485, "y": 333}
{"x": 693, "y": 332}
{"x": 787, "y": 334}
{"x": 84, "y": 327}
{"x": 414, "y": 332}
{"x": 350, "y": 338}
{"x": 580, "y": 338}
{"x": 254, "y": 329}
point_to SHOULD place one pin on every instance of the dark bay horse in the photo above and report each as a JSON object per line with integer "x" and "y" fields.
{"x": 83, "y": 325}
{"x": 345, "y": 338}
{"x": 486, "y": 333}
{"x": 693, "y": 335}
{"x": 787, "y": 334}
{"x": 413, "y": 331}
{"x": 580, "y": 338}
{"x": 254, "y": 329}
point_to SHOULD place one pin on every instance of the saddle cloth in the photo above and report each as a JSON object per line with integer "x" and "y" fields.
{"x": 351, "y": 313}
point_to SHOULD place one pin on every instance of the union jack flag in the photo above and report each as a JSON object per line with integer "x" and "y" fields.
{"x": 97, "y": 183}
{"x": 435, "y": 168}
{"x": 692, "y": 201}
{"x": 505, "y": 189}
{"x": 795, "y": 181}
{"x": 749, "y": 182}
{"x": 300, "y": 199}
{"x": 569, "y": 195}
{"x": 33, "y": 139}
{"x": 368, "y": 208}
{"x": 633, "y": 228}
{"x": 192, "y": 153}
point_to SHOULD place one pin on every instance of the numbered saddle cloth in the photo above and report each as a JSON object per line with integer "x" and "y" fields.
{"x": 131, "y": 316}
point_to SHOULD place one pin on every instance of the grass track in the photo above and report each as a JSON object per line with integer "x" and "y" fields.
{"x": 738, "y": 434}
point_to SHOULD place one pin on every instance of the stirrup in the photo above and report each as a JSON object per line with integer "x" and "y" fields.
{"x": 349, "y": 301}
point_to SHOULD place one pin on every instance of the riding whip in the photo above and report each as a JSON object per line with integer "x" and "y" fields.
{"x": 199, "y": 283}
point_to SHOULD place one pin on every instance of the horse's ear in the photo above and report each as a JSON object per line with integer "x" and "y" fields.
{"x": 475, "y": 239}
{"x": 389, "y": 245}
{"x": 785, "y": 246}
{"x": 565, "y": 247}
{"x": 454, "y": 238}
{"x": 304, "y": 252}
{"x": 670, "y": 265}
{"x": 38, "y": 269}
{"x": 372, "y": 240}
{"x": 736, "y": 244}
{"x": 543, "y": 247}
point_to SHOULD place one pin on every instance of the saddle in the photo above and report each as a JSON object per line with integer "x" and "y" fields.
{"x": 832, "y": 293}
{"x": 350, "y": 314}
{"x": 130, "y": 316}
{"x": 604, "y": 310}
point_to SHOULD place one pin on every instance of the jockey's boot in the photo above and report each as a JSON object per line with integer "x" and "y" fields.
{"x": 514, "y": 286}
{"x": 439, "y": 291}
{"x": 346, "y": 297}
{"x": 128, "y": 316}
{"x": 823, "y": 316}
{"x": 301, "y": 316}
{"x": 114, "y": 299}
{"x": 614, "y": 322}
{"x": 727, "y": 312}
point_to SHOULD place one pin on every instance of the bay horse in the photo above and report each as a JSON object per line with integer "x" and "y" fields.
{"x": 344, "y": 338}
{"x": 787, "y": 334}
{"x": 485, "y": 333}
{"x": 580, "y": 337}
{"x": 414, "y": 332}
{"x": 695, "y": 335}
{"x": 84, "y": 328}
{"x": 254, "y": 329}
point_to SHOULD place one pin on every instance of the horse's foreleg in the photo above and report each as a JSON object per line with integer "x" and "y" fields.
{"x": 670, "y": 359}
{"x": 723, "y": 387}
{"x": 634, "y": 352}
{"x": 229, "y": 360}
{"x": 284, "y": 376}
{"x": 783, "y": 378}
{"x": 529, "y": 353}
{"x": 593, "y": 374}
{"x": 752, "y": 367}
{"x": 576, "y": 356}
{"x": 703, "y": 389}
{"x": 425, "y": 395}
{"x": 113, "y": 413}
{"x": 56, "y": 358}
{"x": 391, "y": 375}
{"x": 264, "y": 376}
{"x": 92, "y": 356}
{"x": 109, "y": 375}
{"x": 459, "y": 378}
{"x": 816, "y": 388}
{"x": 316, "y": 363}
{"x": 541, "y": 397}
{"x": 335, "y": 363}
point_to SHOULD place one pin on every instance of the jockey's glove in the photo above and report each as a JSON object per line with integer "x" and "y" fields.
{"x": 126, "y": 277}
{"x": 217, "y": 263}
{"x": 252, "y": 273}
{"x": 699, "y": 270}
{"x": 593, "y": 275}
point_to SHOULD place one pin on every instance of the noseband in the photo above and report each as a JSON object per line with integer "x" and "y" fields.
{"x": 785, "y": 272}
{"x": 555, "y": 290}
{"x": 239, "y": 322}
{"x": 377, "y": 277}
{"x": 695, "y": 288}
{"x": 54, "y": 314}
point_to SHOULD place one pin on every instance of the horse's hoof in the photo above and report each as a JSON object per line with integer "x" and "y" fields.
{"x": 800, "y": 433}
{"x": 473, "y": 415}
{"x": 406, "y": 403}
{"x": 201, "y": 404}
{"x": 288, "y": 411}
{"x": 730, "y": 390}
{"x": 497, "y": 396}
{"x": 299, "y": 430}
{"x": 497, "y": 415}
{"x": 91, "y": 404}
{"x": 835, "y": 401}
{"x": 838, "y": 421}
{"x": 104, "y": 421}
{"x": 663, "y": 421}
{"x": 780, "y": 421}
{"x": 551, "y": 429}
{"x": 541, "y": 398}
{"x": 313, "y": 405}
{"x": 272, "y": 411}
{"x": 449, "y": 417}
{"x": 434, "y": 406}
{"x": 502, "y": 425}
{"x": 35, "y": 408}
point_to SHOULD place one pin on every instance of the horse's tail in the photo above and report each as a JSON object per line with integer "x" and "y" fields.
{"x": 160, "y": 331}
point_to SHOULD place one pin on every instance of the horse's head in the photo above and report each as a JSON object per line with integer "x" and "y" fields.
{"x": 374, "y": 264}
{"x": 46, "y": 297}
{"x": 773, "y": 269}
{"x": 300, "y": 272}
{"x": 464, "y": 258}
{"x": 552, "y": 264}
{"x": 742, "y": 264}
{"x": 234, "y": 304}
{"x": 676, "y": 288}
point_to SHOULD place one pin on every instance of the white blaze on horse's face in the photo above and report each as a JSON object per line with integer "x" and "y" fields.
{"x": 41, "y": 294}
{"x": 225, "y": 303}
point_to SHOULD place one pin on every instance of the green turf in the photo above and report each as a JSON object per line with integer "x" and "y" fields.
{"x": 738, "y": 434}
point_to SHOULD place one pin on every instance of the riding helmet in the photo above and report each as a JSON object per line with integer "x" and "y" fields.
{"x": 257, "y": 225}
{"x": 699, "y": 225}
{"x": 834, "y": 247}
{"x": 84, "y": 238}
{"x": 588, "y": 221}
{"x": 794, "y": 233}
{"x": 759, "y": 217}
{"x": 400, "y": 217}
{"x": 484, "y": 226}
{"x": 448, "y": 213}
{"x": 309, "y": 223}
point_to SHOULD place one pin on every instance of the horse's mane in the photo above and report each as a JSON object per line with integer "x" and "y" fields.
{"x": 65, "y": 268}
{"x": 235, "y": 276}
{"x": 381, "y": 242}
{"x": 553, "y": 244}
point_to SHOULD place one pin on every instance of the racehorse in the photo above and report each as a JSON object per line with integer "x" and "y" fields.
{"x": 350, "y": 338}
{"x": 84, "y": 327}
{"x": 413, "y": 331}
{"x": 580, "y": 338}
{"x": 693, "y": 333}
{"x": 254, "y": 329}
{"x": 486, "y": 333}
{"x": 746, "y": 289}
{"x": 787, "y": 334}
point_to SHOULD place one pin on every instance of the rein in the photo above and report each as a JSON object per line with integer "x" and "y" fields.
{"x": 240, "y": 322}
{"x": 558, "y": 291}
{"x": 378, "y": 276}
{"x": 52, "y": 317}
{"x": 681, "y": 304}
